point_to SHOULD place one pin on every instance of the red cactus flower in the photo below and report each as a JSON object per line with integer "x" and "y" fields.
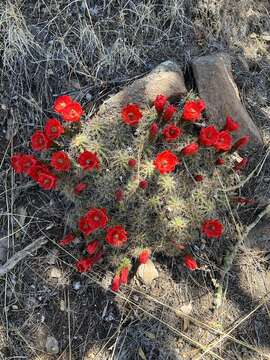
{"x": 88, "y": 161}
{"x": 165, "y": 162}
{"x": 61, "y": 103}
{"x": 224, "y": 141}
{"x": 240, "y": 165}
{"x": 153, "y": 131}
{"x": 198, "y": 178}
{"x": 80, "y": 187}
{"x": 132, "y": 163}
{"x": 190, "y": 149}
{"x": 124, "y": 275}
{"x": 47, "y": 181}
{"x": 116, "y": 283}
{"x": 160, "y": 102}
{"x": 84, "y": 226}
{"x": 39, "y": 141}
{"x": 208, "y": 136}
{"x": 116, "y": 236}
{"x": 38, "y": 169}
{"x": 190, "y": 262}
{"x": 192, "y": 110}
{"x": 67, "y": 239}
{"x": 169, "y": 113}
{"x": 171, "y": 132}
{"x": 92, "y": 247}
{"x": 60, "y": 161}
{"x": 83, "y": 265}
{"x": 72, "y": 112}
{"x": 212, "y": 228}
{"x": 220, "y": 161}
{"x": 143, "y": 184}
{"x": 97, "y": 218}
{"x": 119, "y": 195}
{"x": 23, "y": 163}
{"x": 131, "y": 114}
{"x": 231, "y": 125}
{"x": 243, "y": 141}
{"x": 16, "y": 163}
{"x": 53, "y": 129}
{"x": 144, "y": 256}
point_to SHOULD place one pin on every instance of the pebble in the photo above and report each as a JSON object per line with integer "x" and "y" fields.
{"x": 76, "y": 285}
{"x": 52, "y": 346}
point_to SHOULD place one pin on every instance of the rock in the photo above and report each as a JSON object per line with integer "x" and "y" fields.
{"x": 55, "y": 273}
{"x": 76, "y": 285}
{"x": 52, "y": 346}
{"x": 147, "y": 272}
{"x": 217, "y": 88}
{"x": 259, "y": 236}
{"x": 166, "y": 79}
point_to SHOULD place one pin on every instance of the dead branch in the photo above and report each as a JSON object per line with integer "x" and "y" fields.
{"x": 20, "y": 255}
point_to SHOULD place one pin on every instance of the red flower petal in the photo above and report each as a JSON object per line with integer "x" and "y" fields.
{"x": 116, "y": 236}
{"x": 116, "y": 283}
{"x": 40, "y": 141}
{"x": 166, "y": 162}
{"x": 60, "y": 161}
{"x": 190, "y": 262}
{"x": 171, "y": 132}
{"x": 231, "y": 125}
{"x": 67, "y": 239}
{"x": 192, "y": 110}
{"x": 212, "y": 228}
{"x": 124, "y": 275}
{"x": 47, "y": 181}
{"x": 190, "y": 149}
{"x": 80, "y": 187}
{"x": 132, "y": 163}
{"x": 131, "y": 114}
{"x": 153, "y": 131}
{"x": 169, "y": 112}
{"x": 144, "y": 256}
{"x": 53, "y": 129}
{"x": 61, "y": 103}
{"x": 160, "y": 102}
{"x": 224, "y": 141}
{"x": 72, "y": 112}
{"x": 208, "y": 136}
{"x": 88, "y": 161}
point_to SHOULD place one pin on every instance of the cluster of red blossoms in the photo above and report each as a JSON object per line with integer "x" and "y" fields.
{"x": 45, "y": 173}
{"x": 209, "y": 136}
{"x": 95, "y": 225}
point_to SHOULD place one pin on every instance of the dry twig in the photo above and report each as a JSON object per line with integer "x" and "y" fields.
{"x": 20, "y": 255}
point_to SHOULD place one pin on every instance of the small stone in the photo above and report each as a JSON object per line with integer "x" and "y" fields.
{"x": 55, "y": 273}
{"x": 76, "y": 285}
{"x": 52, "y": 346}
{"x": 147, "y": 272}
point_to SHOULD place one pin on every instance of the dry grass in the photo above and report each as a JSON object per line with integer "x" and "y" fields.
{"x": 89, "y": 49}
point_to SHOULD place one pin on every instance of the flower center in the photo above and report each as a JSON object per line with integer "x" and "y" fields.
{"x": 116, "y": 236}
{"x": 164, "y": 162}
{"x": 96, "y": 218}
{"x": 131, "y": 116}
{"x": 53, "y": 129}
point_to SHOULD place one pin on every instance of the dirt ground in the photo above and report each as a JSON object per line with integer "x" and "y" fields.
{"x": 91, "y": 49}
